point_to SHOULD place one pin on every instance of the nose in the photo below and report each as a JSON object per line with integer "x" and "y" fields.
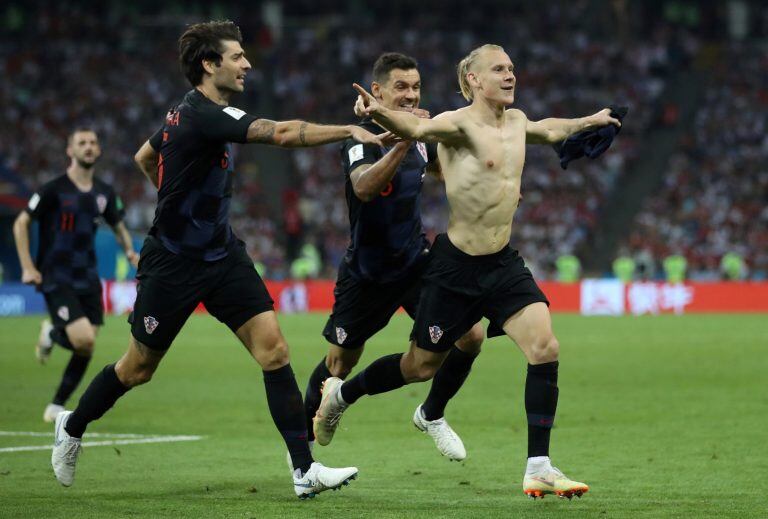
{"x": 246, "y": 64}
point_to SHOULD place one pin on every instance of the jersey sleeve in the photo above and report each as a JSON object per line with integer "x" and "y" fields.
{"x": 42, "y": 201}
{"x": 354, "y": 154}
{"x": 115, "y": 211}
{"x": 224, "y": 123}
{"x": 157, "y": 139}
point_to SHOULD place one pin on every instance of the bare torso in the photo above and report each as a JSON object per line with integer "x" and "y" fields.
{"x": 482, "y": 180}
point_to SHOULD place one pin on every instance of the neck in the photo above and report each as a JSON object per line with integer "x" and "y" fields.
{"x": 79, "y": 175}
{"x": 220, "y": 97}
{"x": 490, "y": 112}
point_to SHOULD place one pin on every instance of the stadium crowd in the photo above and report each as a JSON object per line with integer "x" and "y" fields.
{"x": 118, "y": 75}
{"x": 714, "y": 200}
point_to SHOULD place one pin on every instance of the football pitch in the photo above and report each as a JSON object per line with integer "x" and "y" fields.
{"x": 662, "y": 416}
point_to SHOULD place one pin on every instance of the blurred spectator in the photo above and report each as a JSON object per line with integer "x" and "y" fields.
{"x": 675, "y": 266}
{"x": 732, "y": 267}
{"x": 715, "y": 195}
{"x": 568, "y": 268}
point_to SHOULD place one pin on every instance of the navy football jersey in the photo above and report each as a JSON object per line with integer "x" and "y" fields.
{"x": 386, "y": 236}
{"x": 195, "y": 176}
{"x": 68, "y": 220}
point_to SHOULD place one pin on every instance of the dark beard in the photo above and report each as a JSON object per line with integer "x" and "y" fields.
{"x": 85, "y": 165}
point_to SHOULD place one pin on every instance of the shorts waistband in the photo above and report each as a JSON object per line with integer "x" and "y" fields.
{"x": 444, "y": 247}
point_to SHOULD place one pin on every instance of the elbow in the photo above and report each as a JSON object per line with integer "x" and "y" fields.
{"x": 555, "y": 137}
{"x": 415, "y": 134}
{"x": 364, "y": 195}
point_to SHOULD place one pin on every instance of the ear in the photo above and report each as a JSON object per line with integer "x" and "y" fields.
{"x": 472, "y": 79}
{"x": 209, "y": 66}
{"x": 376, "y": 90}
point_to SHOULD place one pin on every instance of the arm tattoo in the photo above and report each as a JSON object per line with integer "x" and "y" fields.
{"x": 302, "y": 131}
{"x": 262, "y": 130}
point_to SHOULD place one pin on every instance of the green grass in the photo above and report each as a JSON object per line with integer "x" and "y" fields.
{"x": 661, "y": 416}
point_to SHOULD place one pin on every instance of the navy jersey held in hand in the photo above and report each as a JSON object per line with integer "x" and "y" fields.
{"x": 386, "y": 237}
{"x": 195, "y": 176}
{"x": 68, "y": 220}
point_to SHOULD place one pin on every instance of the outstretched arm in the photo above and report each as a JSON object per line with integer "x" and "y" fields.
{"x": 442, "y": 128}
{"x": 296, "y": 134}
{"x": 552, "y": 130}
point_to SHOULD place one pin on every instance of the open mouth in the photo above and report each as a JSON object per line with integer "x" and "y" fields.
{"x": 508, "y": 88}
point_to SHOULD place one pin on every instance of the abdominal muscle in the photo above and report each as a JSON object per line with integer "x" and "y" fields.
{"x": 482, "y": 204}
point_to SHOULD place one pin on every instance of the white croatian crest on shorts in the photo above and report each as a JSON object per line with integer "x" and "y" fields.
{"x": 63, "y": 312}
{"x": 341, "y": 335}
{"x": 101, "y": 203}
{"x": 150, "y": 323}
{"x": 422, "y": 151}
{"x": 435, "y": 333}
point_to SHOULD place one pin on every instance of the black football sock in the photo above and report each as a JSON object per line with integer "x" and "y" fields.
{"x": 447, "y": 382}
{"x": 73, "y": 374}
{"x": 101, "y": 395}
{"x": 380, "y": 376}
{"x": 286, "y": 407}
{"x": 59, "y": 336}
{"x": 540, "y": 406}
{"x": 313, "y": 395}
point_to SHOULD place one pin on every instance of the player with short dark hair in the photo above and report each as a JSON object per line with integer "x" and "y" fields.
{"x": 388, "y": 252}
{"x": 191, "y": 254}
{"x": 68, "y": 209}
{"x": 473, "y": 271}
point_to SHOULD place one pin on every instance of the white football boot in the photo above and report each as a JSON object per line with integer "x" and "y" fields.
{"x": 44, "y": 344}
{"x": 541, "y": 478}
{"x": 51, "y": 412}
{"x": 329, "y": 412}
{"x": 66, "y": 449}
{"x": 447, "y": 441}
{"x": 320, "y": 478}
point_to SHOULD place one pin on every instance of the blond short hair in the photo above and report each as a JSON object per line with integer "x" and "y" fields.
{"x": 466, "y": 64}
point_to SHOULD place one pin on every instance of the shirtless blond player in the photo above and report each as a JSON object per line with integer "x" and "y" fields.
{"x": 473, "y": 271}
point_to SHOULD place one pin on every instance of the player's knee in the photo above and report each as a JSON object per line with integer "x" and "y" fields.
{"x": 134, "y": 375}
{"x": 341, "y": 364}
{"x": 274, "y": 354}
{"x": 340, "y": 367}
{"x": 472, "y": 341}
{"x": 545, "y": 349}
{"x": 83, "y": 342}
{"x": 420, "y": 373}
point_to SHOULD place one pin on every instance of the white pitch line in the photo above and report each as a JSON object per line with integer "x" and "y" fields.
{"x": 90, "y": 435}
{"x": 129, "y": 441}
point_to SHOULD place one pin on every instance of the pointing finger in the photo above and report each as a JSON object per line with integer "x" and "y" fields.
{"x": 361, "y": 90}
